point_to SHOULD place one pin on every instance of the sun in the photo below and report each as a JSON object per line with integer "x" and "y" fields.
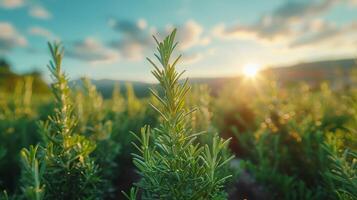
{"x": 251, "y": 69}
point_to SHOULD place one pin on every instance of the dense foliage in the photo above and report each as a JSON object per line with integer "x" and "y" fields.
{"x": 289, "y": 142}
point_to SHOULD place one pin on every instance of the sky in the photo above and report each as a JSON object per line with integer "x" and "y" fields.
{"x": 110, "y": 39}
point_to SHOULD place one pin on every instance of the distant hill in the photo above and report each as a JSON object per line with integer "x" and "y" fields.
{"x": 321, "y": 65}
{"x": 336, "y": 71}
{"x": 106, "y": 86}
{"x": 310, "y": 72}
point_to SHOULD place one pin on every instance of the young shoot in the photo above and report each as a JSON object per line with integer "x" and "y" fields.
{"x": 171, "y": 162}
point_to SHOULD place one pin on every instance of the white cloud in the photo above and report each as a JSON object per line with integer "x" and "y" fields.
{"x": 326, "y": 34}
{"x": 191, "y": 34}
{"x": 131, "y": 50}
{"x": 352, "y": 2}
{"x": 42, "y": 32}
{"x": 10, "y": 4}
{"x": 34, "y": 10}
{"x": 136, "y": 37}
{"x": 294, "y": 24}
{"x": 223, "y": 32}
{"x": 92, "y": 51}
{"x": 281, "y": 24}
{"x": 190, "y": 58}
{"x": 10, "y": 38}
{"x": 39, "y": 12}
{"x": 142, "y": 24}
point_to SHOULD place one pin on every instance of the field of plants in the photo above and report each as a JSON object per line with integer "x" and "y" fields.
{"x": 250, "y": 139}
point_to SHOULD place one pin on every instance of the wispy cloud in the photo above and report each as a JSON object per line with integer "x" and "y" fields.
{"x": 353, "y": 2}
{"x": 280, "y": 23}
{"x": 190, "y": 34}
{"x": 190, "y": 58}
{"x": 128, "y": 27}
{"x": 92, "y": 51}
{"x": 324, "y": 32}
{"x": 10, "y": 38}
{"x": 136, "y": 37}
{"x": 294, "y": 24}
{"x": 35, "y": 9}
{"x": 39, "y": 12}
{"x": 42, "y": 32}
{"x": 10, "y": 4}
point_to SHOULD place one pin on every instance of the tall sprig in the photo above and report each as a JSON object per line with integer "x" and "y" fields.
{"x": 172, "y": 104}
{"x": 173, "y": 165}
{"x": 68, "y": 171}
{"x": 64, "y": 118}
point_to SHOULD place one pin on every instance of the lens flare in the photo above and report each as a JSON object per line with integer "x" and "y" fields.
{"x": 251, "y": 69}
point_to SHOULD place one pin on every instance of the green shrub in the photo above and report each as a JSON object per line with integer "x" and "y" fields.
{"x": 171, "y": 163}
{"x": 342, "y": 173}
{"x": 69, "y": 171}
{"x": 18, "y": 116}
{"x": 95, "y": 124}
{"x": 32, "y": 174}
{"x": 285, "y": 152}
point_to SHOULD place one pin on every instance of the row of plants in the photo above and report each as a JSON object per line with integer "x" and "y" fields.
{"x": 295, "y": 143}
{"x": 279, "y": 142}
{"x": 79, "y": 146}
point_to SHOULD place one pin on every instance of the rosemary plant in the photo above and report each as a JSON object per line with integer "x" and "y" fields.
{"x": 69, "y": 171}
{"x": 94, "y": 123}
{"x": 173, "y": 165}
{"x": 32, "y": 174}
{"x": 17, "y": 130}
{"x": 91, "y": 112}
{"x": 117, "y": 101}
{"x": 342, "y": 174}
{"x": 4, "y": 195}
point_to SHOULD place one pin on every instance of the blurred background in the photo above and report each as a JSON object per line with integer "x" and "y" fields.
{"x": 111, "y": 38}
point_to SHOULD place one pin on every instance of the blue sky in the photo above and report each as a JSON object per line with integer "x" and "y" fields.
{"x": 111, "y": 38}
